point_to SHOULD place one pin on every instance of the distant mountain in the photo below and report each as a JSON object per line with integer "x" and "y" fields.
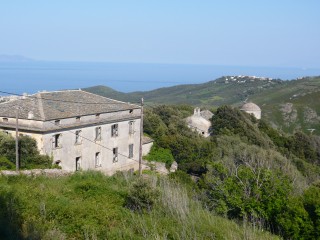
{"x": 14, "y": 58}
{"x": 289, "y": 105}
{"x": 110, "y": 93}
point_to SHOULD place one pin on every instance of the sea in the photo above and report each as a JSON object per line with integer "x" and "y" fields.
{"x": 34, "y": 76}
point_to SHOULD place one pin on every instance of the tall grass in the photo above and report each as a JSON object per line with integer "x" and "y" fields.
{"x": 91, "y": 206}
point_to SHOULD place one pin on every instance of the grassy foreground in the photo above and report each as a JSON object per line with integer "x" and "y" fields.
{"x": 90, "y": 205}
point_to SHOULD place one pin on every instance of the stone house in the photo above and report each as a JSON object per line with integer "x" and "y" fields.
{"x": 200, "y": 121}
{"x": 80, "y": 130}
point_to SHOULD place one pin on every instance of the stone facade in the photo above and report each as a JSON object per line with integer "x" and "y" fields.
{"x": 79, "y": 130}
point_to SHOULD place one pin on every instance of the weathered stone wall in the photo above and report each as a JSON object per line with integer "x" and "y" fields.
{"x": 37, "y": 172}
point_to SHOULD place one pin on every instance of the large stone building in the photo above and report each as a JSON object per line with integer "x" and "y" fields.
{"x": 200, "y": 121}
{"x": 80, "y": 130}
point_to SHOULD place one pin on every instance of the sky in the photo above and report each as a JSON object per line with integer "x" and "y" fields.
{"x": 275, "y": 33}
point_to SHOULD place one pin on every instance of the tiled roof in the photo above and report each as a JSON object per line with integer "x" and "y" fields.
{"x": 62, "y": 104}
{"x": 206, "y": 114}
{"x": 146, "y": 140}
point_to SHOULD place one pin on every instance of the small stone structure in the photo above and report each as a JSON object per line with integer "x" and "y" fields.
{"x": 252, "y": 108}
{"x": 147, "y": 143}
{"x": 200, "y": 121}
{"x": 159, "y": 167}
{"x": 174, "y": 167}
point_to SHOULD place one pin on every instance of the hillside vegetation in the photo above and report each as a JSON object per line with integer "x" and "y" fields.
{"x": 246, "y": 181}
{"x": 246, "y": 170}
{"x": 90, "y": 205}
{"x": 288, "y": 105}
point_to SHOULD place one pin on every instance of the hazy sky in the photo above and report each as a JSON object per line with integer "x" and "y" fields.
{"x": 234, "y": 32}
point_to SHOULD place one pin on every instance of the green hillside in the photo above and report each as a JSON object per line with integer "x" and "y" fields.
{"x": 90, "y": 205}
{"x": 293, "y": 106}
{"x": 288, "y": 105}
{"x": 225, "y": 90}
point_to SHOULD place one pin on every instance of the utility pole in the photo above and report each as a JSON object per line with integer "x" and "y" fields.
{"x": 141, "y": 135}
{"x": 17, "y": 140}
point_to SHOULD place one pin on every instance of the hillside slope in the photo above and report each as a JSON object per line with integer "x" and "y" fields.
{"x": 89, "y": 205}
{"x": 289, "y": 105}
{"x": 293, "y": 106}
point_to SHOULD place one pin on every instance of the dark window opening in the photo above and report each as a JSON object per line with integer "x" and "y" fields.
{"x": 115, "y": 154}
{"x": 131, "y": 151}
{"x": 98, "y": 133}
{"x": 78, "y": 163}
{"x": 114, "y": 130}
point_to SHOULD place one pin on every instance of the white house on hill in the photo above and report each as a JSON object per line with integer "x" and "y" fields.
{"x": 200, "y": 121}
{"x": 80, "y": 130}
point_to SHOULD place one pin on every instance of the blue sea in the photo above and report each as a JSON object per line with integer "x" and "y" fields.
{"x": 34, "y": 76}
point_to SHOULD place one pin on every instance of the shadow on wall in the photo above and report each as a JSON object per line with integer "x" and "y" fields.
{"x": 10, "y": 220}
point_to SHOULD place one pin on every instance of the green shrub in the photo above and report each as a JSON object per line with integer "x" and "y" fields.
{"x": 29, "y": 155}
{"x": 5, "y": 164}
{"x": 159, "y": 154}
{"x": 142, "y": 196}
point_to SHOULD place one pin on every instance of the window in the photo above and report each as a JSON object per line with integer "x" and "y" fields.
{"x": 78, "y": 163}
{"x": 114, "y": 130}
{"x": 78, "y": 119}
{"x": 130, "y": 150}
{"x": 58, "y": 163}
{"x": 131, "y": 111}
{"x": 98, "y": 160}
{"x": 115, "y": 154}
{"x": 78, "y": 137}
{"x": 5, "y": 119}
{"x": 57, "y": 122}
{"x": 98, "y": 133}
{"x": 56, "y": 142}
{"x": 131, "y": 127}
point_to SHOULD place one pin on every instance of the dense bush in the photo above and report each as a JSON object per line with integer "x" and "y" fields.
{"x": 247, "y": 170}
{"x": 159, "y": 154}
{"x": 142, "y": 196}
{"x": 5, "y": 164}
{"x": 89, "y": 205}
{"x": 29, "y": 156}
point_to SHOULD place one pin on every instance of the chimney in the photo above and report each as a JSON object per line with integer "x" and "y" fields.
{"x": 197, "y": 112}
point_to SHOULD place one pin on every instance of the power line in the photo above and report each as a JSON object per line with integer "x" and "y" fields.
{"x": 65, "y": 101}
{"x": 81, "y": 135}
{"x": 94, "y": 142}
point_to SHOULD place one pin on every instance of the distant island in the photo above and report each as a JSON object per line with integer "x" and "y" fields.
{"x": 14, "y": 58}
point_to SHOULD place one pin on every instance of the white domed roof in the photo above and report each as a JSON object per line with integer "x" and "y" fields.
{"x": 250, "y": 107}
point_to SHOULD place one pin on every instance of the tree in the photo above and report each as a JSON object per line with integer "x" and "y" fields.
{"x": 29, "y": 154}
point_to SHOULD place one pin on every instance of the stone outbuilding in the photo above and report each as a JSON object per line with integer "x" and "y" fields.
{"x": 252, "y": 108}
{"x": 147, "y": 143}
{"x": 200, "y": 121}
